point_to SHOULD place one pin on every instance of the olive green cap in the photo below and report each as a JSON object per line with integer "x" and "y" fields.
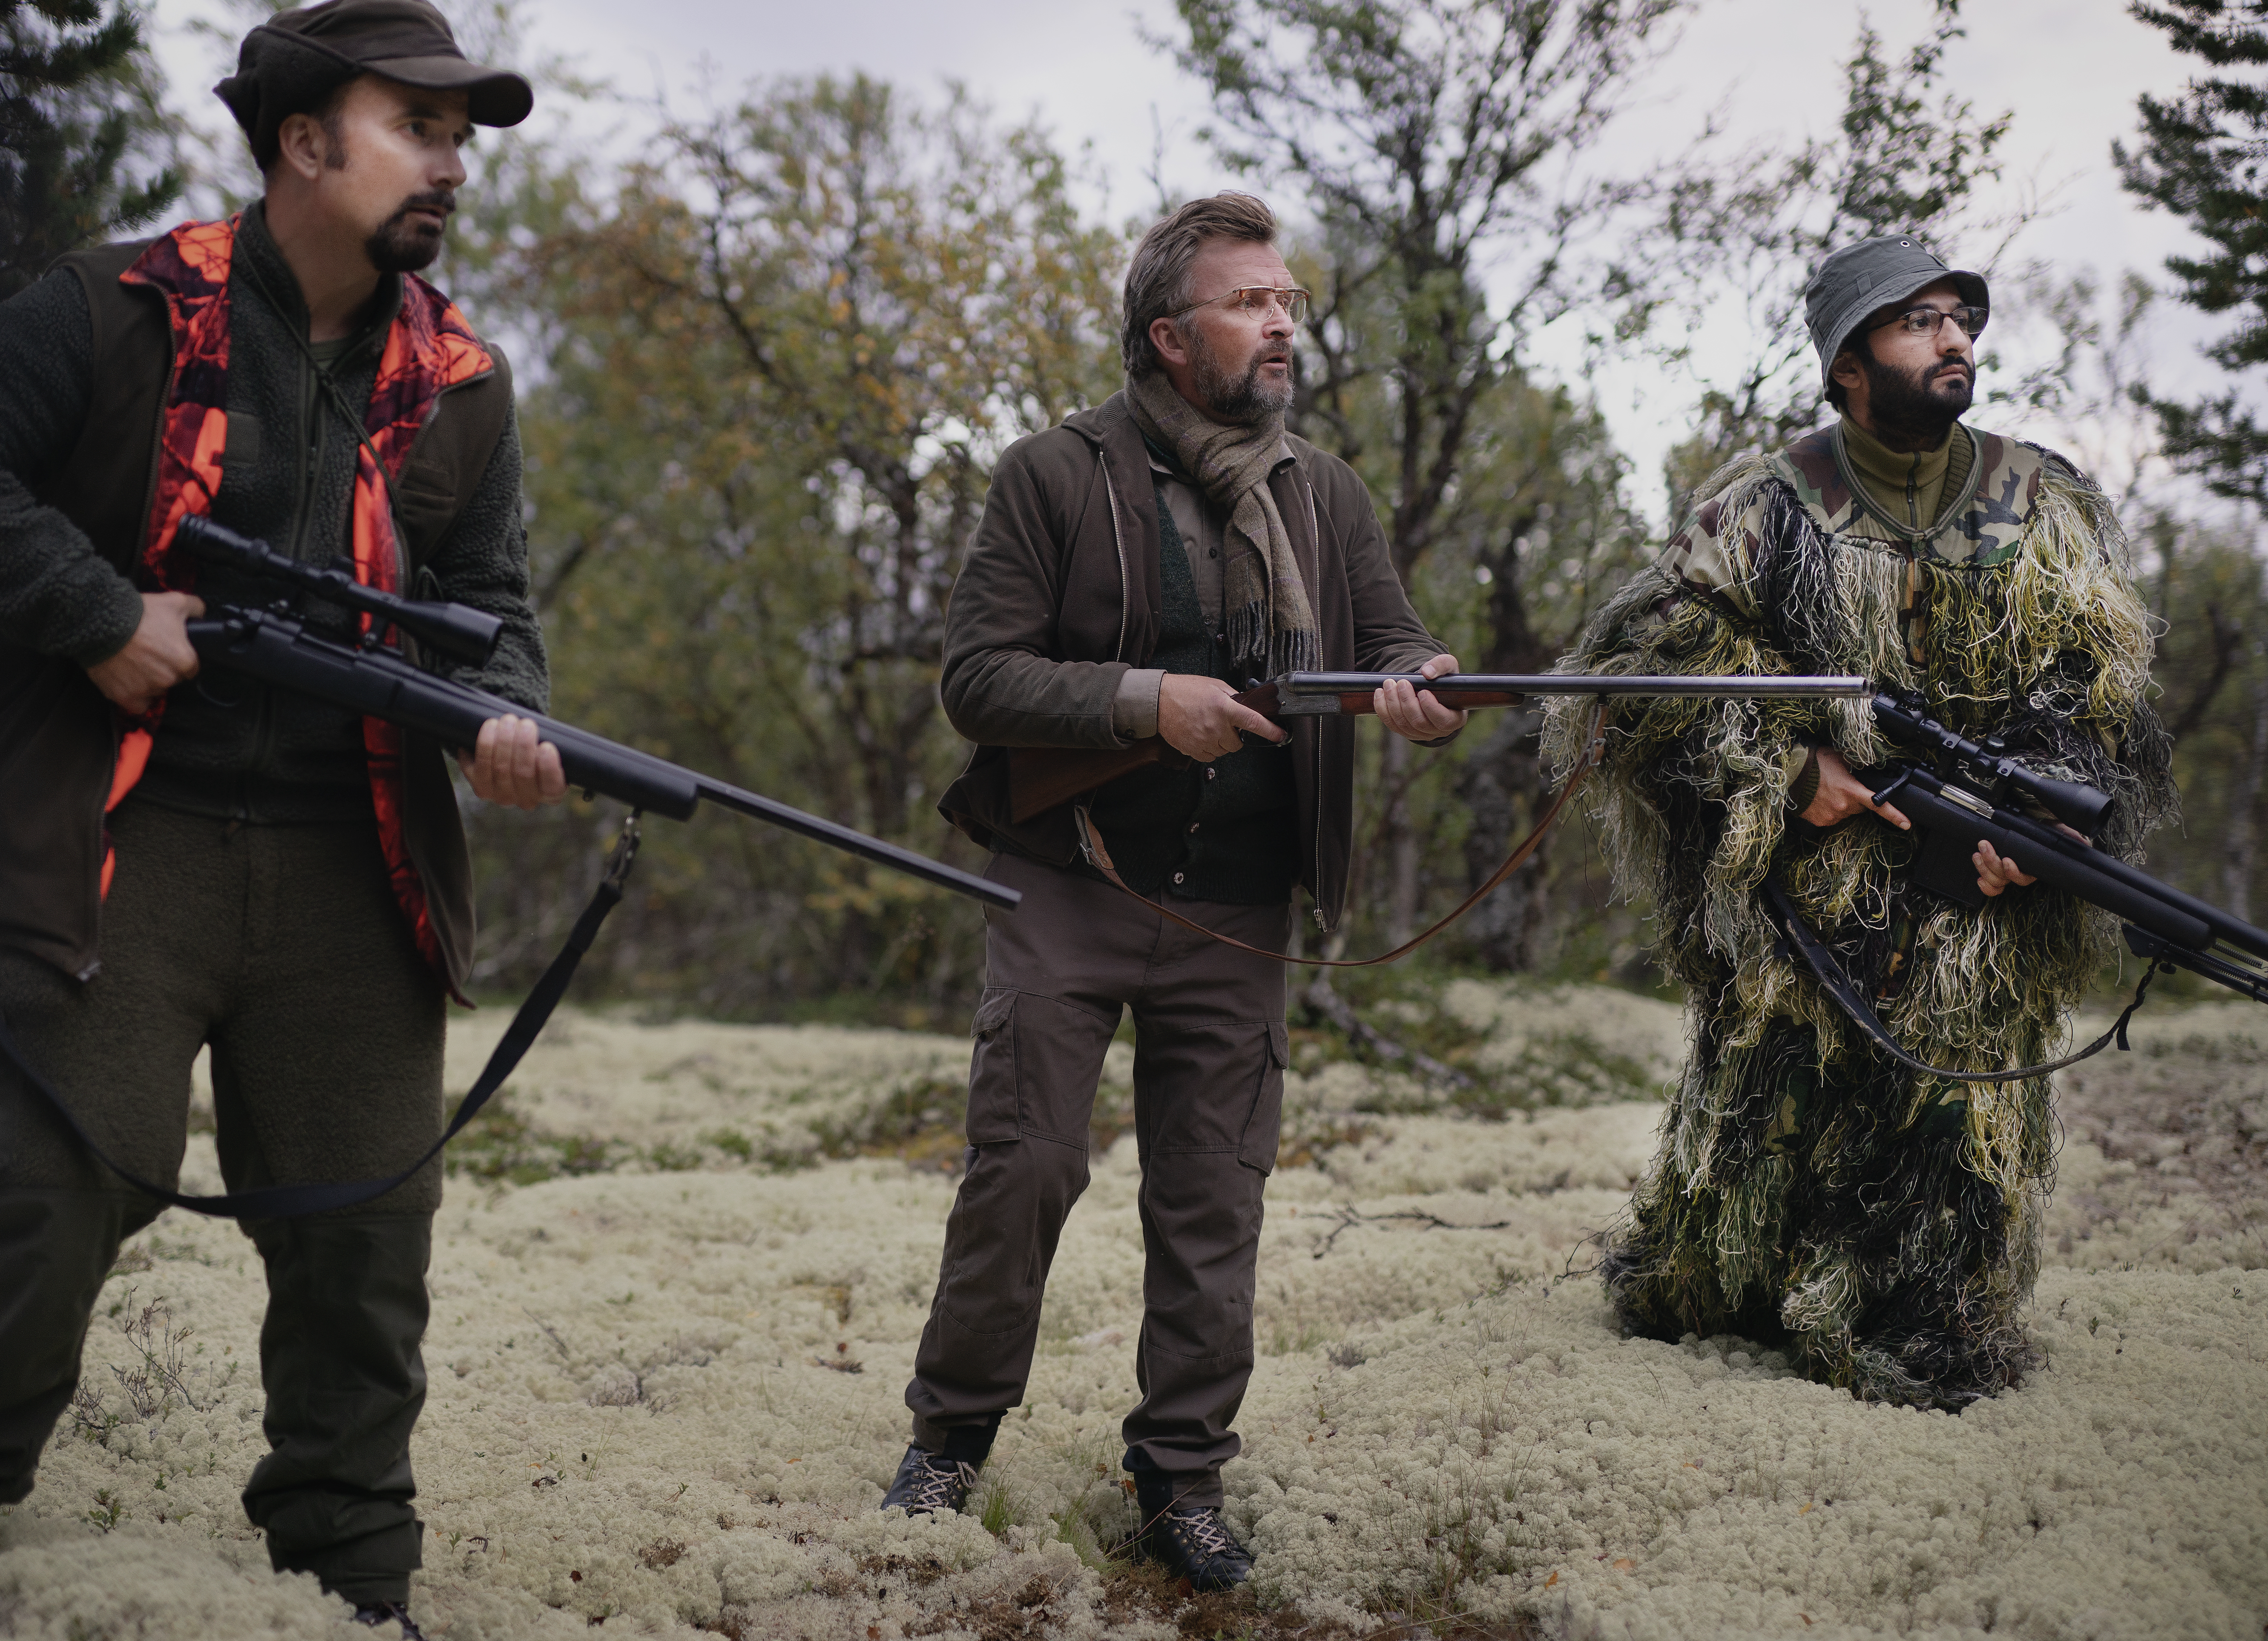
{"x": 1852, "y": 282}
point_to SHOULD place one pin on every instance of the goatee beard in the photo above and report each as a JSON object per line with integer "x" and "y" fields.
{"x": 1915, "y": 410}
{"x": 1243, "y": 399}
{"x": 403, "y": 246}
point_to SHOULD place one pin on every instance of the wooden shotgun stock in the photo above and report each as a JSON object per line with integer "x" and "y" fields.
{"x": 1041, "y": 777}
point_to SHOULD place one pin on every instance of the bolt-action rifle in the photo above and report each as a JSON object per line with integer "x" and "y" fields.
{"x": 1041, "y": 777}
{"x": 273, "y": 644}
{"x": 1967, "y": 793}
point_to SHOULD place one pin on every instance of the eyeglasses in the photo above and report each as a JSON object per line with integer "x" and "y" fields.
{"x": 1927, "y": 321}
{"x": 1257, "y": 301}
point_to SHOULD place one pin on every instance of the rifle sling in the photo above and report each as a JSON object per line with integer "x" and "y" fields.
{"x": 289, "y": 1201}
{"x": 1798, "y": 941}
{"x": 1091, "y": 844}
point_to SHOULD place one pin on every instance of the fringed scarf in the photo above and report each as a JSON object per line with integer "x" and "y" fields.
{"x": 1271, "y": 624}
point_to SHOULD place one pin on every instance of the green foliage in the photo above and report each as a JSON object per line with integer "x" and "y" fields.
{"x": 782, "y": 354}
{"x": 78, "y": 112}
{"x": 1741, "y": 235}
{"x": 2211, "y": 589}
{"x": 2204, "y": 157}
{"x": 1438, "y": 147}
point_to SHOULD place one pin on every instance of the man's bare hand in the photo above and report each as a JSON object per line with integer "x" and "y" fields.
{"x": 1842, "y": 795}
{"x": 1199, "y": 715}
{"x": 509, "y": 765}
{"x": 1414, "y": 714}
{"x": 1996, "y": 872}
{"x": 155, "y": 658}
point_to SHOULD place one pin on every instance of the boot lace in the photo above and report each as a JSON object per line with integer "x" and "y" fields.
{"x": 1201, "y": 1527}
{"x": 940, "y": 1484}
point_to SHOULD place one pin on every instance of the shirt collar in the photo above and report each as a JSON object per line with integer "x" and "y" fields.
{"x": 1878, "y": 461}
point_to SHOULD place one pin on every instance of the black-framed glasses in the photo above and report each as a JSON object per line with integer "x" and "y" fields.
{"x": 1257, "y": 301}
{"x": 1927, "y": 321}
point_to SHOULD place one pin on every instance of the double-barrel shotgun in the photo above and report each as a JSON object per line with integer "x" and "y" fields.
{"x": 1041, "y": 777}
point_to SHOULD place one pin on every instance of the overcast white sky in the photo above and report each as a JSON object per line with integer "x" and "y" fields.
{"x": 2070, "y": 70}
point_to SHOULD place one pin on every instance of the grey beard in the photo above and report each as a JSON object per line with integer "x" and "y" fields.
{"x": 1241, "y": 400}
{"x": 1907, "y": 412}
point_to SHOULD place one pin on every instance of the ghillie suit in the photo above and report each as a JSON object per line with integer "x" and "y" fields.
{"x": 1886, "y": 1225}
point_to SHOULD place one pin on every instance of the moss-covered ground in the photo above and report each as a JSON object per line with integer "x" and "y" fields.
{"x": 680, "y": 1276}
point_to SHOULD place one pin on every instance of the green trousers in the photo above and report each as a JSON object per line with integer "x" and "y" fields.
{"x": 282, "y": 948}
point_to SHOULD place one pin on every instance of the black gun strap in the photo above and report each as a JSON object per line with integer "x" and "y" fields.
{"x": 289, "y": 1201}
{"x": 1797, "y": 940}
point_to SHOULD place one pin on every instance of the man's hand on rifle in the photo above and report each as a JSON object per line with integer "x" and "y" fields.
{"x": 1843, "y": 794}
{"x": 1996, "y": 872}
{"x": 155, "y": 658}
{"x": 1415, "y": 715}
{"x": 509, "y": 765}
{"x": 1199, "y": 715}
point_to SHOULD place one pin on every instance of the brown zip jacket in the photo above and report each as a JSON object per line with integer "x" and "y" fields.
{"x": 1059, "y": 598}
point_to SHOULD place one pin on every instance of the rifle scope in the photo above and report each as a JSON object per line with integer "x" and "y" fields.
{"x": 2080, "y": 807}
{"x": 469, "y": 634}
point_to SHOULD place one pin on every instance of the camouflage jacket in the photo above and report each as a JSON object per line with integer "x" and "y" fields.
{"x": 1981, "y": 523}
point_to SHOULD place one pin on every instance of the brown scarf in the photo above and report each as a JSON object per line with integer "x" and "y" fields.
{"x": 1271, "y": 627}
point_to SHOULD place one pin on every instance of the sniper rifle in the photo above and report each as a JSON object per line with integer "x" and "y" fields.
{"x": 1968, "y": 792}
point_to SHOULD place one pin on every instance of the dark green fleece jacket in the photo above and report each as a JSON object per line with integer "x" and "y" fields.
{"x": 228, "y": 746}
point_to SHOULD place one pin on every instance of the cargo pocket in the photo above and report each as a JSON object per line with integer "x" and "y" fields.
{"x": 1266, "y": 1126}
{"x": 992, "y": 1071}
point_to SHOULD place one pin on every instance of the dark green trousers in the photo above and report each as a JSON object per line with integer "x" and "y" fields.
{"x": 282, "y": 948}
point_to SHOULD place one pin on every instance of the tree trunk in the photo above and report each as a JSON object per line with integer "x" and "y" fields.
{"x": 1400, "y": 842}
{"x": 2244, "y": 808}
{"x": 1499, "y": 786}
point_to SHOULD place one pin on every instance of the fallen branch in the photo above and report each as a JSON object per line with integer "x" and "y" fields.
{"x": 1349, "y": 1217}
{"x": 1321, "y": 999}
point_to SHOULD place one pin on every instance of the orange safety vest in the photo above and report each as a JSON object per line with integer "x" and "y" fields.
{"x": 429, "y": 350}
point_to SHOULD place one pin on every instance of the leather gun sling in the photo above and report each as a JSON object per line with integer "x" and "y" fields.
{"x": 1090, "y": 843}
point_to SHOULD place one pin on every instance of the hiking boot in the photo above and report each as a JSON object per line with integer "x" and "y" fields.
{"x": 376, "y": 1612}
{"x": 1189, "y": 1541}
{"x": 930, "y": 1484}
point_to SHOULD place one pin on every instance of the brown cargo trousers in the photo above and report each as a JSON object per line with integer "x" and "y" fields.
{"x": 282, "y": 947}
{"x": 1210, "y": 1050}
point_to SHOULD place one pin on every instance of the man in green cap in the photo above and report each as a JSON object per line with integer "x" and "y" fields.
{"x": 188, "y": 861}
{"x": 1811, "y": 1192}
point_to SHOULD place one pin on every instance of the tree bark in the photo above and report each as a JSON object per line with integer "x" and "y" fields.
{"x": 1401, "y": 841}
{"x": 1498, "y": 787}
{"x": 2245, "y": 809}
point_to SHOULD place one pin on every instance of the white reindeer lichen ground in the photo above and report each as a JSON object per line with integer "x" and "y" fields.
{"x": 665, "y": 1396}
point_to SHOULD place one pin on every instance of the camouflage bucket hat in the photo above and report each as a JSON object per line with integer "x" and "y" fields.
{"x": 1856, "y": 280}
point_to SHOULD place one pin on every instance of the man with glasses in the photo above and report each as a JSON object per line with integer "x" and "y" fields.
{"x": 1810, "y": 1193}
{"x": 1134, "y": 568}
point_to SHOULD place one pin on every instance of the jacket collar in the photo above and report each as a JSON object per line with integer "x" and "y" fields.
{"x": 274, "y": 282}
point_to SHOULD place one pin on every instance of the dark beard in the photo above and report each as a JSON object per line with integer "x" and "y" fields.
{"x": 401, "y": 247}
{"x": 1243, "y": 400}
{"x": 1914, "y": 410}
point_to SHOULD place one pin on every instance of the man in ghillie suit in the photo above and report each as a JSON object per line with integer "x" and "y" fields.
{"x": 1884, "y": 1225}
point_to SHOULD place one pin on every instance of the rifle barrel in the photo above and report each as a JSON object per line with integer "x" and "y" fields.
{"x": 1323, "y": 693}
{"x": 380, "y": 684}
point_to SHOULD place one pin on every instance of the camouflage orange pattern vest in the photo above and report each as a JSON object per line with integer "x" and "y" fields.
{"x": 429, "y": 350}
